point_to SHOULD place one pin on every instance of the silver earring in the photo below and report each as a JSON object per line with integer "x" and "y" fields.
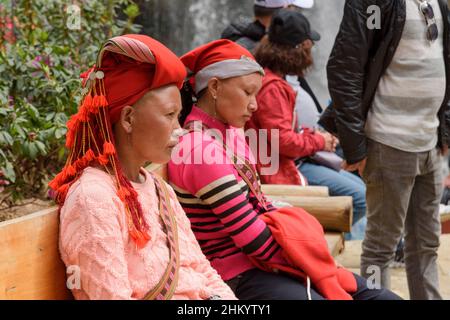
{"x": 215, "y": 107}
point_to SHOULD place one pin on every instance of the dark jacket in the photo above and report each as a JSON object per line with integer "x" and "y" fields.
{"x": 359, "y": 58}
{"x": 246, "y": 33}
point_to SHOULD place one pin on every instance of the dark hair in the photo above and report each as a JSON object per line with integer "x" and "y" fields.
{"x": 284, "y": 59}
{"x": 188, "y": 98}
{"x": 260, "y": 11}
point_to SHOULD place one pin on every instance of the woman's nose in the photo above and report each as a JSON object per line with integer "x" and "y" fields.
{"x": 253, "y": 106}
{"x": 178, "y": 132}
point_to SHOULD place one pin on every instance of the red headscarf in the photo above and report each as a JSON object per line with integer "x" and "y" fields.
{"x": 220, "y": 58}
{"x": 127, "y": 67}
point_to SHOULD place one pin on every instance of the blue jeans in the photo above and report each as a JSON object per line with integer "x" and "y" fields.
{"x": 341, "y": 183}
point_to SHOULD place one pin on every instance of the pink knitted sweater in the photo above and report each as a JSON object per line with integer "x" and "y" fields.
{"x": 94, "y": 237}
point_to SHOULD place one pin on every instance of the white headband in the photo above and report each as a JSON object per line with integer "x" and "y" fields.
{"x": 226, "y": 69}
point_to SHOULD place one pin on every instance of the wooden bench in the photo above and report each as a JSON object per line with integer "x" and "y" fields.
{"x": 30, "y": 263}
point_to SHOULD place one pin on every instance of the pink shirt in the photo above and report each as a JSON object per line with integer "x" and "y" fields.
{"x": 94, "y": 236}
{"x": 223, "y": 211}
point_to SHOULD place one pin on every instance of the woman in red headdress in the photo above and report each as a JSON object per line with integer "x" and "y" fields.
{"x": 120, "y": 225}
{"x": 263, "y": 253}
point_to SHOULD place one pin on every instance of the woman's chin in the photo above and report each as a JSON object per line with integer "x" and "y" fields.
{"x": 240, "y": 124}
{"x": 162, "y": 158}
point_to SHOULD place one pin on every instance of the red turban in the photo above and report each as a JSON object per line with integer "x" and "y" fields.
{"x": 134, "y": 64}
{"x": 222, "y": 59}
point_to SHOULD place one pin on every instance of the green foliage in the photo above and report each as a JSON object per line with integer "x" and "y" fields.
{"x": 39, "y": 82}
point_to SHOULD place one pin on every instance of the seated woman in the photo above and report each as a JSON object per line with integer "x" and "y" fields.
{"x": 213, "y": 174}
{"x": 287, "y": 51}
{"x": 120, "y": 225}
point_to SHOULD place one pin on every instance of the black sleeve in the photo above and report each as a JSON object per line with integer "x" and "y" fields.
{"x": 447, "y": 125}
{"x": 346, "y": 72}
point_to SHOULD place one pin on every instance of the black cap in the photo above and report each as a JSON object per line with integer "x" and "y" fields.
{"x": 290, "y": 27}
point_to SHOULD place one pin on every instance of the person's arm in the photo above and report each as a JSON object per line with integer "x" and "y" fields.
{"x": 215, "y": 285}
{"x": 276, "y": 113}
{"x": 346, "y": 71}
{"x": 91, "y": 238}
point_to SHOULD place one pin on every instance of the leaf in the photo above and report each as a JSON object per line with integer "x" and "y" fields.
{"x": 3, "y": 154}
{"x": 60, "y": 132}
{"x": 32, "y": 150}
{"x": 50, "y": 116}
{"x": 41, "y": 147}
{"x": 33, "y": 112}
{"x": 132, "y": 11}
{"x": 8, "y": 172}
{"x": 6, "y": 139}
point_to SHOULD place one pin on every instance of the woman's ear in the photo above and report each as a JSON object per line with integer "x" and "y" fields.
{"x": 213, "y": 85}
{"x": 127, "y": 118}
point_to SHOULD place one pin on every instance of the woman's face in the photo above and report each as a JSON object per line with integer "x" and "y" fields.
{"x": 236, "y": 98}
{"x": 154, "y": 124}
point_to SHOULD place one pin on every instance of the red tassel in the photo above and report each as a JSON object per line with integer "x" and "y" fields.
{"x": 95, "y": 104}
{"x": 103, "y": 159}
{"x": 87, "y": 102}
{"x": 70, "y": 171}
{"x": 62, "y": 193}
{"x": 103, "y": 102}
{"x": 80, "y": 164}
{"x": 108, "y": 148}
{"x": 72, "y": 123}
{"x": 63, "y": 189}
{"x": 123, "y": 193}
{"x": 83, "y": 113}
{"x": 139, "y": 237}
{"x": 56, "y": 182}
{"x": 70, "y": 138}
{"x": 89, "y": 155}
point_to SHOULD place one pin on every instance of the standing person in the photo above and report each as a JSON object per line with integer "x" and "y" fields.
{"x": 390, "y": 87}
{"x": 121, "y": 225}
{"x": 287, "y": 51}
{"x": 249, "y": 33}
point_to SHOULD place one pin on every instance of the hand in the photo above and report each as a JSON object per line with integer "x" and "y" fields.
{"x": 444, "y": 150}
{"x": 359, "y": 166}
{"x": 330, "y": 141}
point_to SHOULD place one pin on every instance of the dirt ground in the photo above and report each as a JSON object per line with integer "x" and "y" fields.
{"x": 351, "y": 256}
{"x": 25, "y": 207}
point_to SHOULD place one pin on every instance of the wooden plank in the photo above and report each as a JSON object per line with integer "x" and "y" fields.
{"x": 30, "y": 263}
{"x": 445, "y": 217}
{"x": 335, "y": 242}
{"x": 334, "y": 213}
{"x": 292, "y": 190}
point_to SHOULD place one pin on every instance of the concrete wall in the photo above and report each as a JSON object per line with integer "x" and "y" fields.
{"x": 185, "y": 24}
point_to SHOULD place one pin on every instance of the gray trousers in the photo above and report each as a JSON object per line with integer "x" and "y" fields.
{"x": 403, "y": 194}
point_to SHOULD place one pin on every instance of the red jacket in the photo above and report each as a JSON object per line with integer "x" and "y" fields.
{"x": 305, "y": 249}
{"x": 276, "y": 106}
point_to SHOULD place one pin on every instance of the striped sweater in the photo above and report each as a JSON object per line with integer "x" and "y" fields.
{"x": 222, "y": 210}
{"x": 404, "y": 113}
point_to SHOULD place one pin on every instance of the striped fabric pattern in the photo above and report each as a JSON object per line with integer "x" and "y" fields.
{"x": 221, "y": 208}
{"x": 411, "y": 92}
{"x": 132, "y": 48}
